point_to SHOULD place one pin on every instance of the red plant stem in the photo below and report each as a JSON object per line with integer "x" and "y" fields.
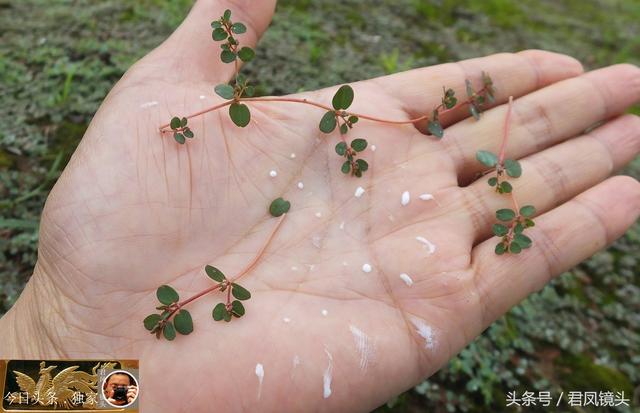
{"x": 515, "y": 203}
{"x": 245, "y": 270}
{"x": 202, "y": 112}
{"x": 253, "y": 262}
{"x": 195, "y": 297}
{"x": 319, "y": 105}
{"x": 507, "y": 122}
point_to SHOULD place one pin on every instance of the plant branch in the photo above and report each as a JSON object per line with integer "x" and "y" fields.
{"x": 505, "y": 136}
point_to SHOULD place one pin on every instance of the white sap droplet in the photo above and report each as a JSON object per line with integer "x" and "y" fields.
{"x": 426, "y": 197}
{"x": 296, "y": 361}
{"x": 366, "y": 267}
{"x": 407, "y": 280}
{"x": 406, "y": 198}
{"x": 292, "y": 156}
{"x": 149, "y": 104}
{"x": 425, "y": 331}
{"x": 260, "y": 374}
{"x": 294, "y": 268}
{"x": 373, "y": 148}
{"x": 324, "y": 312}
{"x": 202, "y": 96}
{"x": 427, "y": 244}
{"x": 286, "y": 320}
{"x": 300, "y": 185}
{"x": 344, "y": 263}
{"x": 359, "y": 192}
{"x": 273, "y": 173}
{"x": 326, "y": 377}
{"x": 364, "y": 345}
{"x": 318, "y": 214}
{"x": 342, "y": 225}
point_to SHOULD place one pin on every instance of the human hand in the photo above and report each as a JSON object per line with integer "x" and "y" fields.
{"x": 134, "y": 210}
{"x": 132, "y": 392}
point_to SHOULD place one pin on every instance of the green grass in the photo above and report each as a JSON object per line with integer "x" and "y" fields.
{"x": 58, "y": 59}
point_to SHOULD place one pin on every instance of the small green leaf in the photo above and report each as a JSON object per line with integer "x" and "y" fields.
{"x": 341, "y": 148}
{"x": 343, "y": 97}
{"x": 493, "y": 181}
{"x": 505, "y": 187}
{"x": 500, "y": 248}
{"x": 487, "y": 158}
{"x": 219, "y": 34}
{"x": 346, "y": 167}
{"x": 249, "y": 91}
{"x": 505, "y": 214}
{"x": 344, "y": 129}
{"x": 499, "y": 230}
{"x": 353, "y": 119}
{"x": 239, "y": 113}
{"x": 183, "y": 322}
{"x": 151, "y": 321}
{"x": 528, "y": 211}
{"x": 469, "y": 88}
{"x": 246, "y": 54}
{"x": 167, "y": 295}
{"x": 515, "y": 248}
{"x": 216, "y": 24}
{"x": 359, "y": 144}
{"x": 214, "y": 273}
{"x": 169, "y": 332}
{"x": 473, "y": 109}
{"x": 227, "y": 15}
{"x": 227, "y": 56}
{"x": 227, "y": 316}
{"x": 175, "y": 122}
{"x": 279, "y": 206}
{"x": 450, "y": 102}
{"x": 435, "y": 128}
{"x": 240, "y": 292}
{"x": 238, "y": 28}
{"x": 179, "y": 137}
{"x": 219, "y": 311}
{"x": 224, "y": 91}
{"x": 518, "y": 228}
{"x": 522, "y": 240}
{"x": 328, "y": 122}
{"x": 529, "y": 223}
{"x": 362, "y": 165}
{"x": 513, "y": 168}
{"x": 188, "y": 133}
{"x": 237, "y": 308}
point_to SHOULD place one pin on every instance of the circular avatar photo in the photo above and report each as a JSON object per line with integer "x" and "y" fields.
{"x": 120, "y": 388}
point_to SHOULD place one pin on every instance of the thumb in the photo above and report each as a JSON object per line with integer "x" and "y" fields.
{"x": 192, "y": 54}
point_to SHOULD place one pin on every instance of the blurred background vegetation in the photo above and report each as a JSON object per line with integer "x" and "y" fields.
{"x": 59, "y": 58}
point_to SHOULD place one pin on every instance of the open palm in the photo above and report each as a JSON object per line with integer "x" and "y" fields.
{"x": 134, "y": 210}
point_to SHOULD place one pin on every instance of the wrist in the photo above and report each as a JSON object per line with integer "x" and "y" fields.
{"x": 23, "y": 334}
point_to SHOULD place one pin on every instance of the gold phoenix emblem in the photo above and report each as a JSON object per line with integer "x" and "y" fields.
{"x": 61, "y": 390}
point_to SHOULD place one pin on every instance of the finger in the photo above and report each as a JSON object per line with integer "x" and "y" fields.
{"x": 190, "y": 52}
{"x": 420, "y": 90}
{"x": 562, "y": 238}
{"x": 557, "y": 174}
{"x": 545, "y": 117}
